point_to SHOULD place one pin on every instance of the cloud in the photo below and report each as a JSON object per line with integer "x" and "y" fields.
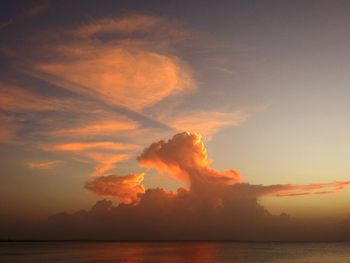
{"x": 207, "y": 123}
{"x": 107, "y": 161}
{"x": 185, "y": 157}
{"x": 14, "y": 98}
{"x": 127, "y": 70}
{"x": 106, "y": 154}
{"x": 320, "y": 188}
{"x": 125, "y": 188}
{"x": 129, "y": 24}
{"x": 44, "y": 165}
{"x": 215, "y": 206}
{"x": 34, "y": 10}
{"x": 97, "y": 128}
{"x": 133, "y": 78}
{"x": 17, "y": 99}
{"x": 83, "y": 146}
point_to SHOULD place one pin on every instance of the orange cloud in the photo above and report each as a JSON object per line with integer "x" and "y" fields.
{"x": 83, "y": 146}
{"x": 309, "y": 189}
{"x": 117, "y": 75}
{"x": 98, "y": 128}
{"x": 102, "y": 153}
{"x": 125, "y": 188}
{"x": 217, "y": 205}
{"x": 185, "y": 157}
{"x": 107, "y": 161}
{"x": 44, "y": 165}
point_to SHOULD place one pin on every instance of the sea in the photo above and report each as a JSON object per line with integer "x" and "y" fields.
{"x": 168, "y": 252}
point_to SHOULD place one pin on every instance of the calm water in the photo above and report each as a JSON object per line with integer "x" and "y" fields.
{"x": 176, "y": 252}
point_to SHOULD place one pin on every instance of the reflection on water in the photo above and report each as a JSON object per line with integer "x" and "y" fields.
{"x": 175, "y": 252}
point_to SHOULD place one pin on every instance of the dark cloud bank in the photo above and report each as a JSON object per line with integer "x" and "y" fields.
{"x": 216, "y": 205}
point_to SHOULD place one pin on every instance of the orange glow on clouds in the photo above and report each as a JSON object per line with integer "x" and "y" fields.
{"x": 44, "y": 165}
{"x": 100, "y": 128}
{"x": 185, "y": 157}
{"x": 131, "y": 78}
{"x": 80, "y": 146}
{"x": 126, "y": 188}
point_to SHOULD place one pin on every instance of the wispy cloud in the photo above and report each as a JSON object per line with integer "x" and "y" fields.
{"x": 44, "y": 165}
{"x": 83, "y": 146}
{"x": 207, "y": 123}
{"x": 102, "y": 128}
{"x": 34, "y": 10}
{"x": 133, "y": 78}
{"x": 106, "y": 161}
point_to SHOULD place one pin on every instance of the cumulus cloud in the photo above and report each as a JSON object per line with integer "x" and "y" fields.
{"x": 185, "y": 157}
{"x": 214, "y": 206}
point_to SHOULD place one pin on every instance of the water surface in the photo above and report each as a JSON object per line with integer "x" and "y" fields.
{"x": 133, "y": 252}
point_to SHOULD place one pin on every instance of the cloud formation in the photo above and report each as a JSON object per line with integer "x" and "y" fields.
{"x": 117, "y": 75}
{"x": 126, "y": 188}
{"x": 214, "y": 206}
{"x": 185, "y": 157}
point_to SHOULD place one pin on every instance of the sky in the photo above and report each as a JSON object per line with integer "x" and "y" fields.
{"x": 126, "y": 109}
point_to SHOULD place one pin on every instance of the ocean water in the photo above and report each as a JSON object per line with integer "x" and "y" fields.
{"x": 133, "y": 252}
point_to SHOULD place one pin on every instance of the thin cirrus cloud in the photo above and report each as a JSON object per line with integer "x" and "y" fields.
{"x": 83, "y": 146}
{"x": 208, "y": 123}
{"x": 103, "y": 127}
{"x": 44, "y": 165}
{"x": 34, "y": 10}
{"x": 105, "y": 154}
{"x": 106, "y": 161}
{"x": 126, "y": 24}
{"x": 129, "y": 74}
{"x": 121, "y": 76}
{"x": 18, "y": 99}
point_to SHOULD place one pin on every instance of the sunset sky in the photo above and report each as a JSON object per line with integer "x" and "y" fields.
{"x": 90, "y": 88}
